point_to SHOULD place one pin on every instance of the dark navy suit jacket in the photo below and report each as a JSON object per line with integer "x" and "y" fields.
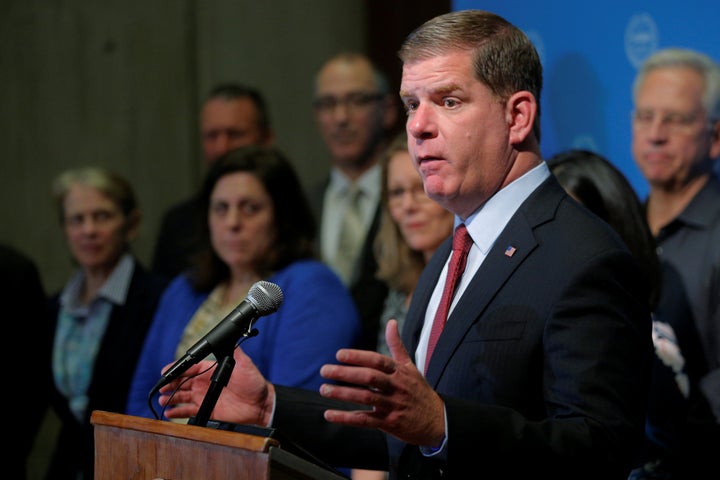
{"x": 543, "y": 366}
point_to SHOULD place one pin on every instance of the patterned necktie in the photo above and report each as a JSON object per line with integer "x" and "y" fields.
{"x": 461, "y": 246}
{"x": 352, "y": 235}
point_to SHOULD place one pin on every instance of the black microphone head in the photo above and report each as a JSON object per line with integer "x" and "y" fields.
{"x": 265, "y": 296}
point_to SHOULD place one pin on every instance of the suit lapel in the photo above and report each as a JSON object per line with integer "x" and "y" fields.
{"x": 515, "y": 243}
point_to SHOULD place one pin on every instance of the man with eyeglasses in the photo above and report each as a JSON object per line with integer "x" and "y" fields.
{"x": 232, "y": 115}
{"x": 356, "y": 114}
{"x": 676, "y": 145}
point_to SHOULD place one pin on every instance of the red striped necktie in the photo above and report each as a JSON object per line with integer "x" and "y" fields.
{"x": 461, "y": 246}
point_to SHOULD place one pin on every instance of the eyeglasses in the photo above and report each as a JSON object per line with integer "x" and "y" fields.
{"x": 673, "y": 122}
{"x": 417, "y": 193}
{"x": 352, "y": 101}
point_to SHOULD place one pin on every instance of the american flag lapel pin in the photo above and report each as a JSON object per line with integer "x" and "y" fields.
{"x": 510, "y": 251}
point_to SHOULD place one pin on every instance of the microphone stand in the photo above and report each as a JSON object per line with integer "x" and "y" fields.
{"x": 219, "y": 380}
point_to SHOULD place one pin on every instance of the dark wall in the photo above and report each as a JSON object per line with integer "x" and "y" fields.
{"x": 389, "y": 22}
{"x": 119, "y": 83}
{"x": 387, "y": 25}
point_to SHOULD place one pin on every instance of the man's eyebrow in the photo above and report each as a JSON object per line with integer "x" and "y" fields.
{"x": 441, "y": 90}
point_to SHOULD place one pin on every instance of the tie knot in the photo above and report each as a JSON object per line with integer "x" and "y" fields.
{"x": 353, "y": 191}
{"x": 462, "y": 241}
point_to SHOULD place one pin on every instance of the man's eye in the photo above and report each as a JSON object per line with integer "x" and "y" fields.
{"x": 219, "y": 208}
{"x": 102, "y": 216}
{"x": 74, "y": 220}
{"x": 325, "y": 103}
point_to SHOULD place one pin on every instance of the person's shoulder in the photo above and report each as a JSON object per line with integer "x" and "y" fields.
{"x": 307, "y": 273}
{"x": 702, "y": 213}
{"x": 179, "y": 291}
{"x": 567, "y": 223}
{"x": 712, "y": 191}
{"x": 305, "y": 268}
{"x": 20, "y": 283}
{"x": 181, "y": 210}
{"x": 180, "y": 285}
{"x": 150, "y": 281}
{"x": 18, "y": 271}
{"x": 550, "y": 201}
{"x": 311, "y": 282}
{"x": 179, "y": 296}
{"x": 13, "y": 260}
{"x": 316, "y": 189}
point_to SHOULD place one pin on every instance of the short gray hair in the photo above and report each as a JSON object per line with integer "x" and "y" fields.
{"x": 708, "y": 69}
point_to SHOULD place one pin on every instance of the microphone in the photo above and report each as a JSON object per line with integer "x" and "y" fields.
{"x": 262, "y": 299}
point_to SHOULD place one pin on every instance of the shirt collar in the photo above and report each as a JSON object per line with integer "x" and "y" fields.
{"x": 114, "y": 289}
{"x": 486, "y": 224}
{"x": 369, "y": 182}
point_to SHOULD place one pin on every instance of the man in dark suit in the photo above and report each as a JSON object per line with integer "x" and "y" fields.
{"x": 22, "y": 296}
{"x": 356, "y": 114}
{"x": 543, "y": 366}
{"x": 232, "y": 116}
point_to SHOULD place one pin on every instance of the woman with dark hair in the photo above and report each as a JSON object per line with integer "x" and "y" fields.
{"x": 596, "y": 183}
{"x": 257, "y": 225}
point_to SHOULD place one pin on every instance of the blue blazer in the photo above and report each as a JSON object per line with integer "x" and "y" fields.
{"x": 543, "y": 365}
{"x": 316, "y": 318}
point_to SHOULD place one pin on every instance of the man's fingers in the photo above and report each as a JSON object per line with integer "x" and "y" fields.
{"x": 394, "y": 343}
{"x": 354, "y": 418}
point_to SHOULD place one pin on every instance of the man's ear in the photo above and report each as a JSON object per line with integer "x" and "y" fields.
{"x": 715, "y": 140}
{"x": 521, "y": 112}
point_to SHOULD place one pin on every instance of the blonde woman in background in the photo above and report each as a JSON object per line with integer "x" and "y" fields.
{"x": 412, "y": 227}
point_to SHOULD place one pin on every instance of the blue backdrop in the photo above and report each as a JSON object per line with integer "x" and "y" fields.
{"x": 590, "y": 53}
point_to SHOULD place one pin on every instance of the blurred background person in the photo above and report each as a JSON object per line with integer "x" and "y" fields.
{"x": 412, "y": 227}
{"x": 257, "y": 226}
{"x": 232, "y": 116}
{"x": 101, "y": 316}
{"x": 22, "y": 296}
{"x": 594, "y": 182}
{"x": 676, "y": 144}
{"x": 679, "y": 362}
{"x": 356, "y": 115}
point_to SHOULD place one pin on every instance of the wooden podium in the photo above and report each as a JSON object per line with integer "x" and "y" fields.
{"x": 134, "y": 448}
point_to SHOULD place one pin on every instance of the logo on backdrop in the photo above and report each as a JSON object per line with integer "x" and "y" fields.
{"x": 641, "y": 38}
{"x": 585, "y": 142}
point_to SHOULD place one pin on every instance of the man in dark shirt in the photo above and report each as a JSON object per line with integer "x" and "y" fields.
{"x": 676, "y": 145}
